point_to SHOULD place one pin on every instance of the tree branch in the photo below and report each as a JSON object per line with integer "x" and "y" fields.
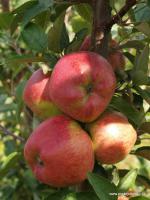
{"x": 100, "y": 35}
{"x": 8, "y": 133}
{"x": 116, "y": 18}
{"x": 5, "y": 5}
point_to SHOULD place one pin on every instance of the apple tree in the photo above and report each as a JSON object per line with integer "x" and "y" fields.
{"x": 37, "y": 34}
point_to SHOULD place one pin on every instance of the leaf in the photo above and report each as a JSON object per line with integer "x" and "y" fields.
{"x": 77, "y": 41}
{"x": 20, "y": 59}
{"x": 103, "y": 188}
{"x": 85, "y": 11}
{"x": 79, "y": 23}
{"x": 143, "y": 60}
{"x": 145, "y": 94}
{"x": 51, "y": 59}
{"x": 129, "y": 56}
{"x": 35, "y": 10}
{"x": 35, "y": 37}
{"x": 139, "y": 77}
{"x": 137, "y": 44}
{"x": 55, "y": 34}
{"x": 128, "y": 181}
{"x": 9, "y": 163}
{"x": 144, "y": 27}
{"x": 24, "y": 7}
{"x": 143, "y": 152}
{"x": 64, "y": 38}
{"x": 7, "y": 107}
{"x": 5, "y": 20}
{"x": 144, "y": 181}
{"x": 139, "y": 198}
{"x": 142, "y": 13}
{"x": 129, "y": 110}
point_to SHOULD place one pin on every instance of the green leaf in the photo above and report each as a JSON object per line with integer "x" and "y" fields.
{"x": 145, "y": 94}
{"x": 5, "y": 20}
{"x": 64, "y": 39}
{"x": 20, "y": 59}
{"x": 35, "y": 38}
{"x": 24, "y": 7}
{"x": 139, "y": 77}
{"x": 143, "y": 152}
{"x": 139, "y": 198}
{"x": 35, "y": 10}
{"x": 9, "y": 163}
{"x": 55, "y": 34}
{"x": 142, "y": 12}
{"x": 129, "y": 110}
{"x": 137, "y": 44}
{"x": 128, "y": 181}
{"x": 143, "y": 60}
{"x": 79, "y": 23}
{"x": 75, "y": 44}
{"x": 7, "y": 107}
{"x": 85, "y": 11}
{"x": 103, "y": 188}
{"x": 144, "y": 27}
{"x": 51, "y": 59}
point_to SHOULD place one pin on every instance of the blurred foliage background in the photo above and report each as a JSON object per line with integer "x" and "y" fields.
{"x": 36, "y": 34}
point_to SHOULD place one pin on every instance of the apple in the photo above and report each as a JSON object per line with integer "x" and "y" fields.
{"x": 115, "y": 57}
{"x": 123, "y": 198}
{"x": 113, "y": 137}
{"x": 36, "y": 96}
{"x": 82, "y": 85}
{"x": 59, "y": 152}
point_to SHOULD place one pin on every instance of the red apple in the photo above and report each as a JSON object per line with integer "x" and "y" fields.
{"x": 59, "y": 152}
{"x": 113, "y": 137}
{"x": 116, "y": 57}
{"x": 82, "y": 85}
{"x": 36, "y": 95}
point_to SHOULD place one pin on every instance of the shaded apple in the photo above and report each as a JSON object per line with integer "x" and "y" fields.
{"x": 82, "y": 85}
{"x": 113, "y": 137}
{"x": 115, "y": 56}
{"x": 123, "y": 198}
{"x": 59, "y": 152}
{"x": 36, "y": 96}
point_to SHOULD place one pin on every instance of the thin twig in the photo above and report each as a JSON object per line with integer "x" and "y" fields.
{"x": 8, "y": 133}
{"x": 116, "y": 18}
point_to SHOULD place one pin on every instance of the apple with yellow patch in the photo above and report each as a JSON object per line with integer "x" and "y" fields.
{"x": 59, "y": 152}
{"x": 36, "y": 96}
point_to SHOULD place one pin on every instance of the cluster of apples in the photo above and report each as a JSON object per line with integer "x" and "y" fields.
{"x": 76, "y": 130}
